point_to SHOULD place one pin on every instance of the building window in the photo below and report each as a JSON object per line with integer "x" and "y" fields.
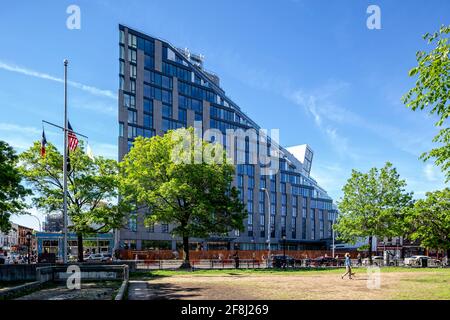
{"x": 240, "y": 180}
{"x": 133, "y": 86}
{"x": 182, "y": 114}
{"x": 122, "y": 68}
{"x": 166, "y": 111}
{"x": 262, "y": 182}
{"x": 303, "y": 228}
{"x": 148, "y": 106}
{"x": 148, "y": 121}
{"x": 132, "y": 132}
{"x": 149, "y": 62}
{"x": 133, "y": 71}
{"x": 132, "y": 55}
{"x": 132, "y": 222}
{"x": 251, "y": 182}
{"x": 313, "y": 224}
{"x": 129, "y": 101}
{"x": 272, "y": 226}
{"x": 164, "y": 228}
{"x": 294, "y": 227}
{"x": 166, "y": 96}
{"x": 273, "y": 203}
{"x": 132, "y": 40}
{"x": 122, "y": 82}
{"x": 262, "y": 225}
{"x": 132, "y": 116}
{"x": 120, "y": 129}
{"x": 166, "y": 82}
{"x": 122, "y": 37}
{"x": 122, "y": 52}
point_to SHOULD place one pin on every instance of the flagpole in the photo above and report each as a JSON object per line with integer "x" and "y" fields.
{"x": 66, "y": 62}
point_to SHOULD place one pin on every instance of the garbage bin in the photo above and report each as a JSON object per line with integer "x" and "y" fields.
{"x": 424, "y": 262}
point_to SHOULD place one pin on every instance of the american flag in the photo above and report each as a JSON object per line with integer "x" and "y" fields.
{"x": 73, "y": 140}
{"x": 43, "y": 143}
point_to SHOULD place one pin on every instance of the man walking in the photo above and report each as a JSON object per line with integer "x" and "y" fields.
{"x": 348, "y": 266}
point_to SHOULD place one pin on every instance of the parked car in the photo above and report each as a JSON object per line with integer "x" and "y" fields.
{"x": 280, "y": 261}
{"x": 422, "y": 261}
{"x": 98, "y": 257}
{"x": 324, "y": 261}
{"x": 376, "y": 260}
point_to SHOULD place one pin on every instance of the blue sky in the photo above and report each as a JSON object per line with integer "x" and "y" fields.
{"x": 310, "y": 68}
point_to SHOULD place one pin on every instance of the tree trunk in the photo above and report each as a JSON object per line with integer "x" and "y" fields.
{"x": 370, "y": 250}
{"x": 186, "y": 263}
{"x": 80, "y": 247}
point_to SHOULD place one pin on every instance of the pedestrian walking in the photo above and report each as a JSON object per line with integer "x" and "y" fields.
{"x": 348, "y": 267}
{"x": 359, "y": 260}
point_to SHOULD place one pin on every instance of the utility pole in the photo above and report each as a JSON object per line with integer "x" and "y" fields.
{"x": 66, "y": 62}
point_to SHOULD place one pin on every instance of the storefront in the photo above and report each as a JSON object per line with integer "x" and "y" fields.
{"x": 48, "y": 242}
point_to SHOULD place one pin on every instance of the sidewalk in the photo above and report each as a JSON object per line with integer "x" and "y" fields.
{"x": 138, "y": 290}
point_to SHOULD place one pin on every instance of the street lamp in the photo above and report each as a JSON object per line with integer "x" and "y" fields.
{"x": 28, "y": 237}
{"x": 268, "y": 225}
{"x": 332, "y": 248}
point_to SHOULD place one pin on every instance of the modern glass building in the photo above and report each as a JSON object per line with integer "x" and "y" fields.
{"x": 162, "y": 88}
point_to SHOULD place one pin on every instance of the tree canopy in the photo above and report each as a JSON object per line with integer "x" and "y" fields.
{"x": 12, "y": 192}
{"x": 429, "y": 220}
{"x": 163, "y": 176}
{"x": 92, "y": 204}
{"x": 372, "y": 205}
{"x": 432, "y": 92}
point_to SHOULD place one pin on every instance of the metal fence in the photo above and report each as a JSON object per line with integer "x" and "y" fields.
{"x": 205, "y": 264}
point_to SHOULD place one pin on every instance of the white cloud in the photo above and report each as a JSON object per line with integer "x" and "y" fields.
{"x": 36, "y": 74}
{"x": 104, "y": 149}
{"x": 432, "y": 173}
{"x": 10, "y": 127}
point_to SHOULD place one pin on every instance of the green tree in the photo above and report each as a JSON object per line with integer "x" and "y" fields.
{"x": 174, "y": 180}
{"x": 12, "y": 193}
{"x": 432, "y": 92}
{"x": 92, "y": 189}
{"x": 429, "y": 221}
{"x": 372, "y": 205}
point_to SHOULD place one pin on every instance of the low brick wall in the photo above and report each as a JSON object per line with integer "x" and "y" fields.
{"x": 59, "y": 273}
{"x": 10, "y": 293}
{"x": 17, "y": 272}
{"x": 92, "y": 272}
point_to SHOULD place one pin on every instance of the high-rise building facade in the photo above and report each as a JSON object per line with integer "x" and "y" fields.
{"x": 163, "y": 88}
{"x": 53, "y": 222}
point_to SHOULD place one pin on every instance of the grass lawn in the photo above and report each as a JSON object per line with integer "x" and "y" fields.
{"x": 395, "y": 283}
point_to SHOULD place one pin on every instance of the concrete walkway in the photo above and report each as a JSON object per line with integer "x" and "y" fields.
{"x": 139, "y": 290}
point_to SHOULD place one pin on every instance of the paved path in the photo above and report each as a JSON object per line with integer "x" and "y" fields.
{"x": 139, "y": 290}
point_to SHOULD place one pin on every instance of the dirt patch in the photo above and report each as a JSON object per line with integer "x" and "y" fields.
{"x": 88, "y": 291}
{"x": 330, "y": 286}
